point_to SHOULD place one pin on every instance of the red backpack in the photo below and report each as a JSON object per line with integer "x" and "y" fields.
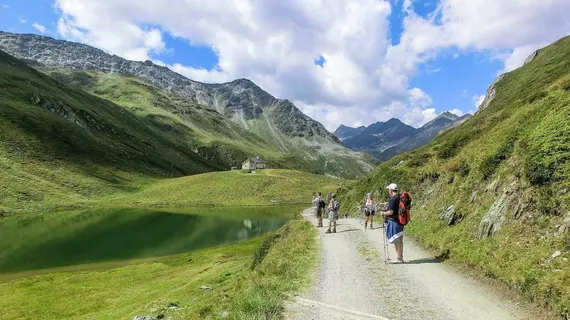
{"x": 405, "y": 205}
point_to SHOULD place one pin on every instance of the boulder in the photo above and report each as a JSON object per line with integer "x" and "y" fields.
{"x": 493, "y": 186}
{"x": 473, "y": 197}
{"x": 556, "y": 255}
{"x": 521, "y": 207}
{"x": 451, "y": 216}
{"x": 530, "y": 58}
{"x": 494, "y": 218}
{"x": 565, "y": 226}
{"x": 491, "y": 92}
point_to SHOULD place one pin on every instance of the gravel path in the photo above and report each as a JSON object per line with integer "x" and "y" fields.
{"x": 353, "y": 282}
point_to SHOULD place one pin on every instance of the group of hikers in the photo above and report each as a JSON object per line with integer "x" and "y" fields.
{"x": 395, "y": 215}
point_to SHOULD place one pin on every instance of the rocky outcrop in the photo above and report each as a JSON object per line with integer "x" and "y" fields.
{"x": 451, "y": 216}
{"x": 531, "y": 57}
{"x": 494, "y": 218}
{"x": 565, "y": 226}
{"x": 491, "y": 92}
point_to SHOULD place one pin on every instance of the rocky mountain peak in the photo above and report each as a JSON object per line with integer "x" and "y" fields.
{"x": 448, "y": 115}
{"x": 241, "y": 100}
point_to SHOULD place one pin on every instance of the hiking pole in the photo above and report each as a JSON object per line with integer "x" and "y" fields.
{"x": 386, "y": 249}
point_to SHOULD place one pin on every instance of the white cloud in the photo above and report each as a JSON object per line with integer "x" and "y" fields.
{"x": 209, "y": 76}
{"x": 274, "y": 43}
{"x": 457, "y": 112}
{"x": 5, "y": 6}
{"x": 477, "y": 100}
{"x": 38, "y": 26}
{"x": 22, "y": 20}
{"x": 513, "y": 27}
{"x": 418, "y": 98}
{"x": 106, "y": 27}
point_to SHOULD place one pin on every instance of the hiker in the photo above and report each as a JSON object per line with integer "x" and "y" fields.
{"x": 394, "y": 230}
{"x": 369, "y": 211}
{"x": 333, "y": 213}
{"x": 313, "y": 199}
{"x": 319, "y": 203}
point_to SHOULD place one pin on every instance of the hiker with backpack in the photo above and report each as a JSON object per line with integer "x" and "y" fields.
{"x": 396, "y": 217}
{"x": 320, "y": 204}
{"x": 333, "y": 213}
{"x": 369, "y": 211}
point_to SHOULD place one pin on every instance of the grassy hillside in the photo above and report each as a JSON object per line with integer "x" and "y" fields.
{"x": 495, "y": 191}
{"x": 249, "y": 280}
{"x": 61, "y": 146}
{"x": 265, "y": 187}
{"x": 213, "y": 135}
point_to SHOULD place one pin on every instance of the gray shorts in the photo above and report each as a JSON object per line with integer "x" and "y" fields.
{"x": 333, "y": 215}
{"x": 319, "y": 212}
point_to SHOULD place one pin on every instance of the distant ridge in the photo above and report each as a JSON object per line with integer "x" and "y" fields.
{"x": 384, "y": 140}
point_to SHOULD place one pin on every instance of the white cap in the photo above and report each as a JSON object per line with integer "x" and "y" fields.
{"x": 393, "y": 187}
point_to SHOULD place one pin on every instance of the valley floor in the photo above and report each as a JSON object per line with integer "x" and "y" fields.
{"x": 353, "y": 282}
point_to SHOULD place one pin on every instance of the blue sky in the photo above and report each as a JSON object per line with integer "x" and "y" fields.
{"x": 351, "y": 62}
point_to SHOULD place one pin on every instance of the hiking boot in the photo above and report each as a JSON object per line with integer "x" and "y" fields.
{"x": 328, "y": 231}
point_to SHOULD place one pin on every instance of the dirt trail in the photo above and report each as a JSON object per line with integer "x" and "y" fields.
{"x": 353, "y": 282}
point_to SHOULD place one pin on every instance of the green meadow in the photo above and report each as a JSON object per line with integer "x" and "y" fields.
{"x": 205, "y": 246}
{"x": 249, "y": 280}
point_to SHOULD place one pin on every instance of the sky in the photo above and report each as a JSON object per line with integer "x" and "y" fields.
{"x": 352, "y": 62}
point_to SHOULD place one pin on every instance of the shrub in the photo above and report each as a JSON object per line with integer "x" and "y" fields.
{"x": 450, "y": 148}
{"x": 263, "y": 249}
{"x": 491, "y": 163}
{"x": 464, "y": 168}
{"x": 537, "y": 172}
{"x": 537, "y": 96}
{"x": 451, "y": 166}
{"x": 418, "y": 160}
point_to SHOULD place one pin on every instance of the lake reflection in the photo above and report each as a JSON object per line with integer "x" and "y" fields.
{"x": 65, "y": 239}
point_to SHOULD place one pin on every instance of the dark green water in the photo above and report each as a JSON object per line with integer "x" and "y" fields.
{"x": 73, "y": 238}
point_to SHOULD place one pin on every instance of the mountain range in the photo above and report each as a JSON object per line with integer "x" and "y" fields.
{"x": 383, "y": 140}
{"x": 220, "y": 124}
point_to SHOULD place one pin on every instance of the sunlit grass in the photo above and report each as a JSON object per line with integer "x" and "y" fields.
{"x": 520, "y": 145}
{"x": 153, "y": 287}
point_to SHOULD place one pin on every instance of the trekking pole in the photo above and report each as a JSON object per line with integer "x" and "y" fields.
{"x": 386, "y": 249}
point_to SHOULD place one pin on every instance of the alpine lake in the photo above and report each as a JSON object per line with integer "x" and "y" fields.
{"x": 110, "y": 237}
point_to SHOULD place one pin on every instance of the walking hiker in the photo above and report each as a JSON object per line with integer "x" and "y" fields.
{"x": 395, "y": 229}
{"x": 369, "y": 211}
{"x": 333, "y": 213}
{"x": 313, "y": 199}
{"x": 319, "y": 208}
